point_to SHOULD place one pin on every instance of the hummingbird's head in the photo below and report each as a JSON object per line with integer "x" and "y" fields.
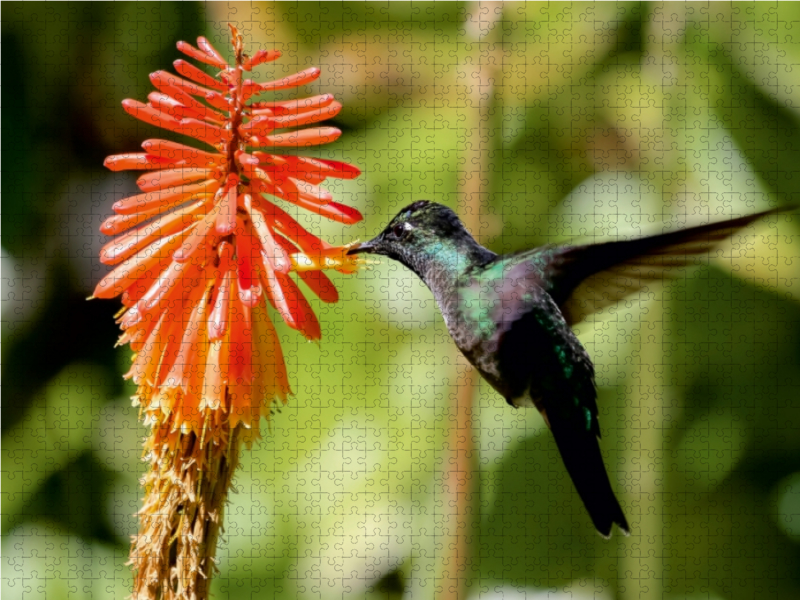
{"x": 418, "y": 232}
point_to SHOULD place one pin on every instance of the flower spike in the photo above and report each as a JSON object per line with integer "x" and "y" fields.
{"x": 200, "y": 254}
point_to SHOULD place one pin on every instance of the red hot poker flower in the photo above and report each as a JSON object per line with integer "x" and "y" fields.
{"x": 202, "y": 249}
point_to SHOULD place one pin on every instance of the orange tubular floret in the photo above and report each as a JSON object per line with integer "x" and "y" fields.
{"x": 184, "y": 98}
{"x": 148, "y": 114}
{"x": 170, "y": 106}
{"x": 135, "y": 161}
{"x": 137, "y": 267}
{"x": 206, "y": 47}
{"x": 164, "y": 199}
{"x": 295, "y": 80}
{"x": 315, "y": 167}
{"x": 314, "y": 136}
{"x": 131, "y": 243}
{"x": 205, "y": 132}
{"x": 286, "y": 107}
{"x": 190, "y": 71}
{"x": 117, "y": 224}
{"x": 262, "y": 126}
{"x": 159, "y": 180}
{"x": 306, "y": 118}
{"x": 198, "y": 237}
{"x": 261, "y": 57}
{"x": 166, "y": 78}
{"x": 193, "y": 52}
{"x": 176, "y": 151}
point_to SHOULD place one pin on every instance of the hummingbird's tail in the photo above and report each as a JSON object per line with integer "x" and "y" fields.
{"x": 581, "y": 453}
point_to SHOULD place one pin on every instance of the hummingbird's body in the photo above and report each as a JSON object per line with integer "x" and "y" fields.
{"x": 511, "y": 317}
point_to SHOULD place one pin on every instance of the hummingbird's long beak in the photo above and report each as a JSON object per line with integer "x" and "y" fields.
{"x": 366, "y": 247}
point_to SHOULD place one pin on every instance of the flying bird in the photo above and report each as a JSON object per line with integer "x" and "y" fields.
{"x": 511, "y": 316}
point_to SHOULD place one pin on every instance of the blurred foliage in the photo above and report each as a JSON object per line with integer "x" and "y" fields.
{"x": 608, "y": 120}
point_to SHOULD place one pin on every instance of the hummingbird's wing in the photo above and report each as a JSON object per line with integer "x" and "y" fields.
{"x": 585, "y": 279}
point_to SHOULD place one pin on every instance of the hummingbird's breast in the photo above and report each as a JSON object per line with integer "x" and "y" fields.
{"x": 512, "y": 331}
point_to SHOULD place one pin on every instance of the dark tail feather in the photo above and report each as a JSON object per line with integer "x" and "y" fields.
{"x": 581, "y": 453}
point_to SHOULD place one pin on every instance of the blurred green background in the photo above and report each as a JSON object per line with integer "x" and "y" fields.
{"x": 552, "y": 121}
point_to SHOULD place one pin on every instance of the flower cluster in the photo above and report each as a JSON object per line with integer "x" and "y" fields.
{"x": 202, "y": 249}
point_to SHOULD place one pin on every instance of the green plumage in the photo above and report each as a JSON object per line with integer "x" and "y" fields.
{"x": 511, "y": 317}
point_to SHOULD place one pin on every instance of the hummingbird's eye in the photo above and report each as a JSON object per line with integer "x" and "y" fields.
{"x": 400, "y": 230}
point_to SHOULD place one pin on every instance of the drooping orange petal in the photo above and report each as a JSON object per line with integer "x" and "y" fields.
{"x": 226, "y": 220}
{"x": 333, "y": 211}
{"x": 240, "y": 371}
{"x": 270, "y": 379}
{"x": 172, "y": 336}
{"x": 215, "y": 376}
{"x": 182, "y": 347}
{"x": 190, "y": 343}
{"x": 273, "y": 253}
{"x": 246, "y": 253}
{"x": 288, "y": 226}
{"x": 156, "y": 299}
{"x": 297, "y": 188}
{"x": 339, "y": 170}
{"x": 147, "y": 359}
{"x": 321, "y": 285}
{"x": 275, "y": 293}
{"x": 218, "y": 318}
{"x": 304, "y": 318}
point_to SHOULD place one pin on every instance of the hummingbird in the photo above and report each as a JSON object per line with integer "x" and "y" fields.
{"x": 511, "y": 316}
